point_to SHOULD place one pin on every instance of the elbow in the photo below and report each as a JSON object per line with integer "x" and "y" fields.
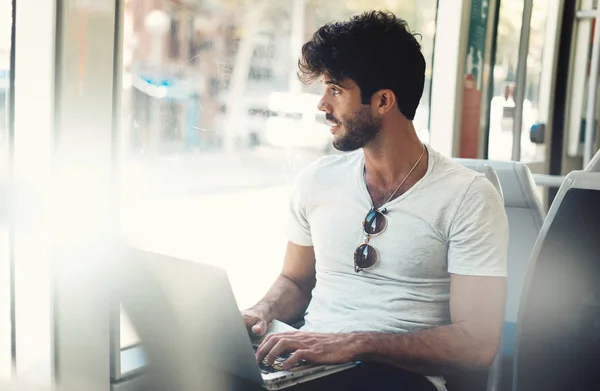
{"x": 477, "y": 359}
{"x": 483, "y": 349}
{"x": 485, "y": 358}
{"x": 484, "y": 354}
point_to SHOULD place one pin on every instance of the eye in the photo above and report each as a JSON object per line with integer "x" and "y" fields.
{"x": 335, "y": 91}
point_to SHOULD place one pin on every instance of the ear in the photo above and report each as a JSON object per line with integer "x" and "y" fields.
{"x": 383, "y": 101}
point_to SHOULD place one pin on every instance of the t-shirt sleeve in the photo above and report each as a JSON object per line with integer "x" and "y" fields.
{"x": 478, "y": 241}
{"x": 297, "y": 228}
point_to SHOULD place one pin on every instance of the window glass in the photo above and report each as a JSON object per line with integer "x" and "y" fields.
{"x": 5, "y": 302}
{"x": 216, "y": 124}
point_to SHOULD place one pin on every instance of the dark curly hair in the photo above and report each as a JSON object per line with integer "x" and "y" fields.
{"x": 376, "y": 50}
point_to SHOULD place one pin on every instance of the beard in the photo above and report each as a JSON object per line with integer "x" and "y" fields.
{"x": 356, "y": 131}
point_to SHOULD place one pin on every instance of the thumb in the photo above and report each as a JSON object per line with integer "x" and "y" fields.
{"x": 259, "y": 327}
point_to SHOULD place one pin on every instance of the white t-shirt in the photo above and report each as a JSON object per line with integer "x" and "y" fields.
{"x": 450, "y": 221}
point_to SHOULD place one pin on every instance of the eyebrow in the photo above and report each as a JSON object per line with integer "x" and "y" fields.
{"x": 333, "y": 83}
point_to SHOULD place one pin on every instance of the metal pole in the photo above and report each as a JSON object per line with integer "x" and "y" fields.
{"x": 588, "y": 149}
{"x": 116, "y": 138}
{"x": 12, "y": 192}
{"x": 521, "y": 78}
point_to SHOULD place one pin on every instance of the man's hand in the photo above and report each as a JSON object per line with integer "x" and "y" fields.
{"x": 256, "y": 321}
{"x": 316, "y": 348}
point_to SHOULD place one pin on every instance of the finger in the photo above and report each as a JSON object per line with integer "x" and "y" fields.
{"x": 268, "y": 343}
{"x": 259, "y": 328}
{"x": 273, "y": 346}
{"x": 249, "y": 320}
{"x": 266, "y": 346}
{"x": 266, "y": 340}
{"x": 284, "y": 345}
{"x": 295, "y": 358}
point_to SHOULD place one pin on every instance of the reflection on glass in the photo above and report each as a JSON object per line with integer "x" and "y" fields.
{"x": 216, "y": 124}
{"x": 5, "y": 302}
{"x": 503, "y": 104}
{"x": 128, "y": 336}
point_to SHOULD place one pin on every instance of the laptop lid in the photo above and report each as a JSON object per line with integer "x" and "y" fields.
{"x": 188, "y": 322}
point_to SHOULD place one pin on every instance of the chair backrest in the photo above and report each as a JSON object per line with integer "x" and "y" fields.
{"x": 483, "y": 167}
{"x": 525, "y": 219}
{"x": 594, "y": 164}
{"x": 558, "y": 326}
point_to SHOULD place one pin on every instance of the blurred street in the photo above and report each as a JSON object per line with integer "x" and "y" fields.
{"x": 212, "y": 172}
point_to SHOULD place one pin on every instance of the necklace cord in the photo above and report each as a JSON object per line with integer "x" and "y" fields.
{"x": 405, "y": 178}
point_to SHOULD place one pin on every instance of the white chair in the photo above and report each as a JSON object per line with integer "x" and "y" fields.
{"x": 558, "y": 328}
{"x": 594, "y": 164}
{"x": 525, "y": 219}
{"x": 483, "y": 167}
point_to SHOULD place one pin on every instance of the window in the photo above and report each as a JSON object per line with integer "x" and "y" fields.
{"x": 5, "y": 279}
{"x": 211, "y": 142}
{"x": 505, "y": 68}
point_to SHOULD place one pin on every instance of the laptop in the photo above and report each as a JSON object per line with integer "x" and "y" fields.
{"x": 191, "y": 329}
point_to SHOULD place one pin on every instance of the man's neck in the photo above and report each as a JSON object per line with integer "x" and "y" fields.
{"x": 390, "y": 157}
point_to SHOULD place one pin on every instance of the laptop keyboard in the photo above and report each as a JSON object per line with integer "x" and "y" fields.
{"x": 278, "y": 364}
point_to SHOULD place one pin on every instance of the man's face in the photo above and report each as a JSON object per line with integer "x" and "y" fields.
{"x": 352, "y": 124}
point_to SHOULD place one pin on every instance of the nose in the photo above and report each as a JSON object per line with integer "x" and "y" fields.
{"x": 324, "y": 106}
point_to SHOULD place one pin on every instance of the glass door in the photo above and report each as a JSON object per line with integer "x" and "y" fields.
{"x": 581, "y": 124}
{"x": 523, "y": 95}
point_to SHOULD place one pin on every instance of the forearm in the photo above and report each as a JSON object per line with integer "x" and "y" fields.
{"x": 286, "y": 300}
{"x": 431, "y": 351}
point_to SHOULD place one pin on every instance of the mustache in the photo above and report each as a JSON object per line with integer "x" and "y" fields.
{"x": 331, "y": 118}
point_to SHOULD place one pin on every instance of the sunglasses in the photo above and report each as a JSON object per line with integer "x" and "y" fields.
{"x": 365, "y": 255}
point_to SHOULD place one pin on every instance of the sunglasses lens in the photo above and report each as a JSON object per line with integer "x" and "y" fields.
{"x": 365, "y": 256}
{"x": 375, "y": 222}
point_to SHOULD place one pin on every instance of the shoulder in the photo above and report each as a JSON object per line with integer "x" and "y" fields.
{"x": 456, "y": 178}
{"x": 465, "y": 188}
{"x": 481, "y": 201}
{"x": 451, "y": 169}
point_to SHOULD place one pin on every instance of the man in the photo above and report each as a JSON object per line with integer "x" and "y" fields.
{"x": 396, "y": 253}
